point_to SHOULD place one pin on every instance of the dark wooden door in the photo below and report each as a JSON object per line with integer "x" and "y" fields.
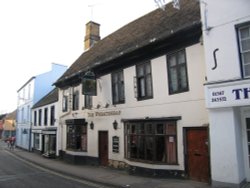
{"x": 103, "y": 148}
{"x": 198, "y": 154}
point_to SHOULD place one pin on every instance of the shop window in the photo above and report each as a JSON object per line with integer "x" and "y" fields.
{"x": 177, "y": 72}
{"x": 77, "y": 137}
{"x": 153, "y": 142}
{"x": 118, "y": 87}
{"x": 36, "y": 141}
{"x": 244, "y": 41}
{"x": 144, "y": 81}
{"x": 50, "y": 145}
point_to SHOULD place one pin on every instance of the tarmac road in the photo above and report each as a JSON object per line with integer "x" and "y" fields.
{"x": 15, "y": 173}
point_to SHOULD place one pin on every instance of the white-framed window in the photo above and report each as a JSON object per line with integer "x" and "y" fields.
{"x": 244, "y": 42}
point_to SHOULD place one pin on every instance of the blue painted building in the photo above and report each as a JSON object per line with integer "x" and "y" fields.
{"x": 30, "y": 93}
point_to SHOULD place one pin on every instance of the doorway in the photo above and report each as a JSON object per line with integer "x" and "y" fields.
{"x": 197, "y": 154}
{"x": 246, "y": 140}
{"x": 103, "y": 148}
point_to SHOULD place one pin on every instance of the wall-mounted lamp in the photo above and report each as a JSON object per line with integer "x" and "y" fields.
{"x": 91, "y": 125}
{"x": 115, "y": 124}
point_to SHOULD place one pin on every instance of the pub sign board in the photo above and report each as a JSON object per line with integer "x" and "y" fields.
{"x": 89, "y": 84}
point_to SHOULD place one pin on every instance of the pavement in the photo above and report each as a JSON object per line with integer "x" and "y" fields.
{"x": 107, "y": 177}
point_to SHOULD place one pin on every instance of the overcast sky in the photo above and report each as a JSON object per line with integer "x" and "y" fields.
{"x": 36, "y": 33}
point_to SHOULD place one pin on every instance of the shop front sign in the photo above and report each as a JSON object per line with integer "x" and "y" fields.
{"x": 104, "y": 113}
{"x": 226, "y": 96}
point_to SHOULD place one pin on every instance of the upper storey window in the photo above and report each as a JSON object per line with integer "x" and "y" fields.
{"x": 244, "y": 41}
{"x": 118, "y": 87}
{"x": 177, "y": 72}
{"x": 144, "y": 81}
{"x": 75, "y": 103}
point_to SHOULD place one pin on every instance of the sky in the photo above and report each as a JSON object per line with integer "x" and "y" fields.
{"x": 36, "y": 33}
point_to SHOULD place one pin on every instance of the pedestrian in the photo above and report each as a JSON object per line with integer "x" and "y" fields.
{"x": 12, "y": 142}
{"x": 8, "y": 142}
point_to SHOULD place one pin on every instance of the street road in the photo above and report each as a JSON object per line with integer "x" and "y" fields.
{"x": 15, "y": 173}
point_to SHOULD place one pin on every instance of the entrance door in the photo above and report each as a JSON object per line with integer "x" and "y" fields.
{"x": 197, "y": 154}
{"x": 103, "y": 148}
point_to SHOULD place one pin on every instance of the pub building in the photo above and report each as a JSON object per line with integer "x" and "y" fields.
{"x": 135, "y": 100}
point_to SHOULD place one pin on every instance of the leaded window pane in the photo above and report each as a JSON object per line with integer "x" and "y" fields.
{"x": 181, "y": 57}
{"x": 149, "y": 85}
{"x": 183, "y": 78}
{"x": 174, "y": 80}
{"x": 172, "y": 61}
{"x": 151, "y": 142}
{"x": 142, "y": 87}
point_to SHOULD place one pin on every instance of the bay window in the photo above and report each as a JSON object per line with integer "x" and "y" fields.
{"x": 153, "y": 142}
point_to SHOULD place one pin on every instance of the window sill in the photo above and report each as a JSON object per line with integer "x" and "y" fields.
{"x": 152, "y": 162}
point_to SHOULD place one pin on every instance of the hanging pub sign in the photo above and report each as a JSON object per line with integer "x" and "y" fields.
{"x": 89, "y": 84}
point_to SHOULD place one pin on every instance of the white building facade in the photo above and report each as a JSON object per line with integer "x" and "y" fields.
{"x": 148, "y": 114}
{"x": 226, "y": 33}
{"x": 45, "y": 136}
{"x": 179, "y": 112}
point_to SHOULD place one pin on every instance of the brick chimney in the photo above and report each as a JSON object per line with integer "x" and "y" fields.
{"x": 92, "y": 34}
